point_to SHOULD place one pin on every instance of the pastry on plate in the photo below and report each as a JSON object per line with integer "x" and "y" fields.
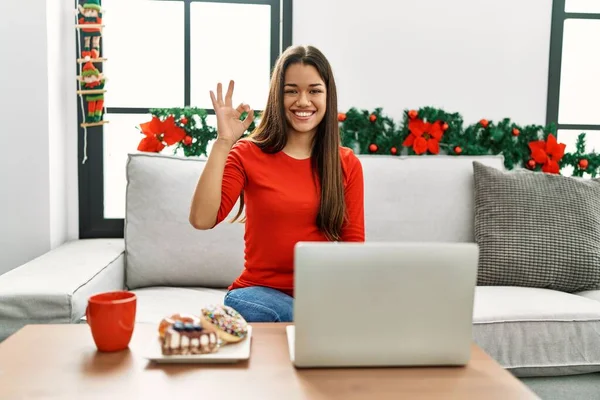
{"x": 189, "y": 339}
{"x": 168, "y": 322}
{"x": 229, "y": 324}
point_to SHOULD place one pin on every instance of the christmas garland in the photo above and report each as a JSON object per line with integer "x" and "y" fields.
{"x": 427, "y": 131}
{"x": 185, "y": 128}
{"x": 434, "y": 131}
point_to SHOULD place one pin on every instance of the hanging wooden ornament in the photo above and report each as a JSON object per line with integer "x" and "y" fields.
{"x": 90, "y": 23}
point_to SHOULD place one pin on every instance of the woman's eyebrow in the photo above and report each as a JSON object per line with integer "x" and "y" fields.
{"x": 311, "y": 85}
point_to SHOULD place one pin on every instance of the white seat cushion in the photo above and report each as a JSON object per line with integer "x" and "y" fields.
{"x": 155, "y": 303}
{"x": 538, "y": 332}
{"x": 590, "y": 294}
{"x": 163, "y": 249}
{"x": 403, "y": 213}
{"x": 54, "y": 288}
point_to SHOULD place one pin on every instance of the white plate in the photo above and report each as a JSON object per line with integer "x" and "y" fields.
{"x": 230, "y": 353}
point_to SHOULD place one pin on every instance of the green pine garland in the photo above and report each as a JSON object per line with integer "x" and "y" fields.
{"x": 196, "y": 127}
{"x": 375, "y": 133}
{"x": 379, "y": 135}
{"x": 576, "y": 159}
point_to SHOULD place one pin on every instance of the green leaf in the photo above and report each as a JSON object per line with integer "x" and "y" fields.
{"x": 497, "y": 134}
{"x": 581, "y": 143}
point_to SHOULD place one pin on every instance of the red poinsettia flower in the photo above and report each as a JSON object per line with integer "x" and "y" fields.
{"x": 160, "y": 133}
{"x": 424, "y": 136}
{"x": 151, "y": 144}
{"x": 548, "y": 153}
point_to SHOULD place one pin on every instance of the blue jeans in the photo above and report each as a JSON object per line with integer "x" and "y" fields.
{"x": 261, "y": 304}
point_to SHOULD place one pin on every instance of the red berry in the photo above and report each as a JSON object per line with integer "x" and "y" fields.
{"x": 187, "y": 140}
{"x": 394, "y": 150}
{"x": 373, "y": 148}
{"x": 531, "y": 164}
{"x": 445, "y": 126}
{"x": 516, "y": 132}
{"x": 341, "y": 117}
{"x": 583, "y": 163}
{"x": 184, "y": 120}
{"x": 458, "y": 150}
{"x": 412, "y": 114}
{"x": 372, "y": 117}
{"x": 484, "y": 123}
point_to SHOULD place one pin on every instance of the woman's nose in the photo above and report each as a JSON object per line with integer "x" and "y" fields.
{"x": 303, "y": 100}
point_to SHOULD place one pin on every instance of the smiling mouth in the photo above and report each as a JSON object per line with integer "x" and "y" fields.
{"x": 303, "y": 114}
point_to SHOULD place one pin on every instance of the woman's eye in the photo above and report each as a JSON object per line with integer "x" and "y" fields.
{"x": 291, "y": 91}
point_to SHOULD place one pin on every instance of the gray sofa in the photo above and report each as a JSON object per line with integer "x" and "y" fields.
{"x": 549, "y": 339}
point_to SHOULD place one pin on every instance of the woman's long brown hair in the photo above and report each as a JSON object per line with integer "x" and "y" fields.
{"x": 271, "y": 137}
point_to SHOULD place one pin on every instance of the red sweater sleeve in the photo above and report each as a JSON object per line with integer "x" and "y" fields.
{"x": 354, "y": 229}
{"x": 234, "y": 179}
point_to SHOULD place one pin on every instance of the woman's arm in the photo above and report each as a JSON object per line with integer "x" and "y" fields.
{"x": 354, "y": 228}
{"x": 222, "y": 171}
{"x": 223, "y": 176}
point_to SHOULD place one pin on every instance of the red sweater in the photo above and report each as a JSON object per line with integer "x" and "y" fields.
{"x": 281, "y": 206}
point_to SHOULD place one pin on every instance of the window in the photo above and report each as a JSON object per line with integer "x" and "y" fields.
{"x": 169, "y": 53}
{"x": 574, "y": 82}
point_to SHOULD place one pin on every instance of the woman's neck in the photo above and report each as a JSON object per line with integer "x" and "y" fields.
{"x": 299, "y": 145}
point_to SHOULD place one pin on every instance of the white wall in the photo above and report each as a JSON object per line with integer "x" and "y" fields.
{"x": 482, "y": 59}
{"x": 24, "y": 203}
{"x": 62, "y": 122}
{"x": 38, "y": 161}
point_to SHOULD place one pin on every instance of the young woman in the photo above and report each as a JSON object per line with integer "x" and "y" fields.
{"x": 295, "y": 180}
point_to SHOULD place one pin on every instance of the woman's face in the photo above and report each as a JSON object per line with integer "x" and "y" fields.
{"x": 304, "y": 98}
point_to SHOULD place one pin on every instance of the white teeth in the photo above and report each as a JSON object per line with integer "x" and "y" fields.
{"x": 303, "y": 114}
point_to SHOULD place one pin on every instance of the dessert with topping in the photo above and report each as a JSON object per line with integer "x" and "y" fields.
{"x": 189, "y": 339}
{"x": 227, "y": 322}
{"x": 167, "y": 322}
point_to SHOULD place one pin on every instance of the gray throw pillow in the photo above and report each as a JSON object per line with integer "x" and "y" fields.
{"x": 537, "y": 230}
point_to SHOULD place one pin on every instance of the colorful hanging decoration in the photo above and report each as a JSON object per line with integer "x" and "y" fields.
{"x": 90, "y": 21}
{"x": 89, "y": 25}
{"x": 92, "y": 83}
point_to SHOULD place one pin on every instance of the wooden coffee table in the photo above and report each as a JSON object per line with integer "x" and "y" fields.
{"x": 61, "y": 362}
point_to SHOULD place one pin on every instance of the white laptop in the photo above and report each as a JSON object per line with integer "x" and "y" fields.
{"x": 383, "y": 304}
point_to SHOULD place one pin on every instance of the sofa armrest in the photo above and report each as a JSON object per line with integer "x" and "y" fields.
{"x": 54, "y": 288}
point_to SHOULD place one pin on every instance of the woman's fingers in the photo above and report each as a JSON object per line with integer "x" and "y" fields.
{"x": 229, "y": 94}
{"x": 219, "y": 101}
{"x": 239, "y": 110}
{"x": 219, "y": 93}
{"x": 213, "y": 99}
{"x": 249, "y": 118}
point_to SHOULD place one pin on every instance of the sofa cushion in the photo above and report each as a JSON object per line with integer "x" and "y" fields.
{"x": 54, "y": 288}
{"x": 590, "y": 294}
{"x": 538, "y": 332}
{"x": 156, "y": 303}
{"x": 420, "y": 198}
{"x": 163, "y": 249}
{"x": 568, "y": 387}
{"x": 537, "y": 230}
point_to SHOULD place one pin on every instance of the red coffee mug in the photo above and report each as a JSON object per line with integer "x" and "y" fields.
{"x": 111, "y": 317}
